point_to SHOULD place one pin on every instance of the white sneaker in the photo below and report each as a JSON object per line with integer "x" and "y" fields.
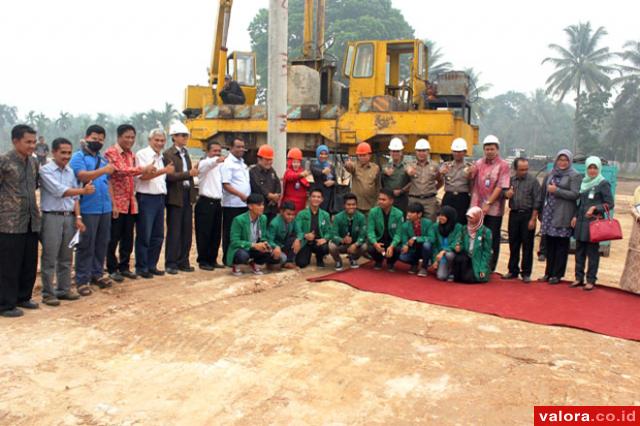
{"x": 257, "y": 270}
{"x": 235, "y": 271}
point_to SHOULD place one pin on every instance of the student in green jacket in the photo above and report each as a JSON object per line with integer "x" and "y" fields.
{"x": 416, "y": 243}
{"x": 314, "y": 229}
{"x": 282, "y": 233}
{"x": 383, "y": 231}
{"x": 349, "y": 234}
{"x": 473, "y": 250}
{"x": 444, "y": 235}
{"x": 248, "y": 243}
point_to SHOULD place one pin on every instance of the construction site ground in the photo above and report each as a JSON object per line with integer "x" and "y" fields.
{"x": 208, "y": 348}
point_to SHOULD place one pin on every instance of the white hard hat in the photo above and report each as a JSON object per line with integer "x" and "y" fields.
{"x": 459, "y": 144}
{"x": 423, "y": 144}
{"x": 396, "y": 144}
{"x": 178, "y": 128}
{"x": 491, "y": 139}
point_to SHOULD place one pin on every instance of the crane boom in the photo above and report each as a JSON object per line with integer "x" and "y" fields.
{"x": 220, "y": 39}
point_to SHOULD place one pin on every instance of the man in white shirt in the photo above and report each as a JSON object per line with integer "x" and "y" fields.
{"x": 151, "y": 190}
{"x": 208, "y": 211}
{"x": 236, "y": 189}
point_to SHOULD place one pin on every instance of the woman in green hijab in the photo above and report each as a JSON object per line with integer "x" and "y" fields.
{"x": 595, "y": 193}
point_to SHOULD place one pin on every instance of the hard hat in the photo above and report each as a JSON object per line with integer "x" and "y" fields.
{"x": 491, "y": 139}
{"x": 266, "y": 152}
{"x": 178, "y": 128}
{"x": 459, "y": 144}
{"x": 422, "y": 144}
{"x": 363, "y": 148}
{"x": 396, "y": 144}
{"x": 295, "y": 154}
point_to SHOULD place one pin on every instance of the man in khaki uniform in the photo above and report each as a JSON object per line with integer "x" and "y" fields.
{"x": 458, "y": 176}
{"x": 365, "y": 178}
{"x": 425, "y": 181}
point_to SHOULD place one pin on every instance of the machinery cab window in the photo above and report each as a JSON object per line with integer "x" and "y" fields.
{"x": 241, "y": 66}
{"x": 348, "y": 62}
{"x": 363, "y": 66}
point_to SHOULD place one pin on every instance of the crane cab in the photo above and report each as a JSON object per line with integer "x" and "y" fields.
{"x": 242, "y": 68}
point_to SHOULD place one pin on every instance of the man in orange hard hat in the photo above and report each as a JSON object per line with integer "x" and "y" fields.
{"x": 365, "y": 180}
{"x": 265, "y": 181}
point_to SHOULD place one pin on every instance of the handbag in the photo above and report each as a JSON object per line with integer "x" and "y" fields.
{"x": 339, "y": 189}
{"x": 605, "y": 229}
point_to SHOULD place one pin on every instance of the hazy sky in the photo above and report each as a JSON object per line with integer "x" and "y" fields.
{"x": 123, "y": 56}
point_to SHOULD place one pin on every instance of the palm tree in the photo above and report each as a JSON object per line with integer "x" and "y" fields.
{"x": 632, "y": 56}
{"x": 31, "y": 118}
{"x": 167, "y": 115}
{"x": 41, "y": 122}
{"x": 8, "y": 115}
{"x": 434, "y": 58}
{"x": 64, "y": 121}
{"x": 477, "y": 92}
{"x": 581, "y": 66}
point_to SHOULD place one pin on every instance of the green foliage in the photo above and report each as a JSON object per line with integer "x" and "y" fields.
{"x": 590, "y": 122}
{"x": 623, "y": 138}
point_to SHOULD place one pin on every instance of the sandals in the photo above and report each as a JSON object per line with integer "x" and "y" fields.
{"x": 84, "y": 290}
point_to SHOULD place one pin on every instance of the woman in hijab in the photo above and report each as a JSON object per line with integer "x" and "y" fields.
{"x": 629, "y": 280}
{"x": 295, "y": 180}
{"x": 444, "y": 234}
{"x": 324, "y": 176}
{"x": 473, "y": 250}
{"x": 560, "y": 190}
{"x": 595, "y": 193}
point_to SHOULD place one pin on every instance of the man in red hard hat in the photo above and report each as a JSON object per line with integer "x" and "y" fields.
{"x": 264, "y": 181}
{"x": 365, "y": 178}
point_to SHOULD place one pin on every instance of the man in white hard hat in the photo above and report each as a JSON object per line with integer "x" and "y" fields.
{"x": 425, "y": 181}
{"x": 394, "y": 176}
{"x": 181, "y": 194}
{"x": 458, "y": 176}
{"x": 492, "y": 178}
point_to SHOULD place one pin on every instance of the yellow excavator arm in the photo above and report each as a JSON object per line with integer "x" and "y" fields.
{"x": 219, "y": 52}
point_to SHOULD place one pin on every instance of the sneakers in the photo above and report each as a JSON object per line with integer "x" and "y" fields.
{"x": 339, "y": 266}
{"x": 257, "y": 270}
{"x": 413, "y": 270}
{"x": 235, "y": 271}
{"x": 422, "y": 272}
{"x": 450, "y": 278}
{"x": 377, "y": 266}
{"x": 353, "y": 264}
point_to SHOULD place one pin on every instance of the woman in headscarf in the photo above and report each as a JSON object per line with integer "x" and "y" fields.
{"x": 444, "y": 234}
{"x": 324, "y": 176}
{"x": 473, "y": 250}
{"x": 595, "y": 193}
{"x": 295, "y": 180}
{"x": 629, "y": 280}
{"x": 560, "y": 190}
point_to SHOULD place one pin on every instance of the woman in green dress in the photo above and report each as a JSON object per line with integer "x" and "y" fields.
{"x": 473, "y": 250}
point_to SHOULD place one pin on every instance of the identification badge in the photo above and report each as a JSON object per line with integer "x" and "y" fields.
{"x": 592, "y": 195}
{"x": 487, "y": 183}
{"x": 393, "y": 225}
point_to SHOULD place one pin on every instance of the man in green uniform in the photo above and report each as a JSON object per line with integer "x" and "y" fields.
{"x": 383, "y": 231}
{"x": 395, "y": 177}
{"x": 350, "y": 233}
{"x": 282, "y": 233}
{"x": 314, "y": 229}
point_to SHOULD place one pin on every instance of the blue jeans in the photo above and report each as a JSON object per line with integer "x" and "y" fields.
{"x": 92, "y": 248}
{"x": 417, "y": 252}
{"x": 149, "y": 231}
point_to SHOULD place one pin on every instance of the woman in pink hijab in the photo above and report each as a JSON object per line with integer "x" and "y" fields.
{"x": 473, "y": 250}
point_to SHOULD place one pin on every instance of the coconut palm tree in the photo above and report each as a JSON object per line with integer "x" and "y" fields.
{"x": 476, "y": 95}
{"x": 434, "y": 59}
{"x": 631, "y": 55}
{"x": 63, "y": 122}
{"x": 8, "y": 115}
{"x": 31, "y": 118}
{"x": 580, "y": 67}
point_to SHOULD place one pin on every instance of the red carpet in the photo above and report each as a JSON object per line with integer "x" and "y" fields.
{"x": 604, "y": 310}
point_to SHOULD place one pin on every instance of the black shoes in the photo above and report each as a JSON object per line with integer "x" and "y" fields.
{"x": 206, "y": 267}
{"x": 172, "y": 271}
{"x": 12, "y": 313}
{"x": 526, "y": 279}
{"x": 29, "y": 304}
{"x": 68, "y": 296}
{"x": 554, "y": 281}
{"x": 129, "y": 274}
{"x": 116, "y": 276}
{"x": 509, "y": 276}
{"x": 157, "y": 272}
{"x": 186, "y": 268}
{"x": 146, "y": 275}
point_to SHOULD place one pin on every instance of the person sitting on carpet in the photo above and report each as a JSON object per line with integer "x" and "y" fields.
{"x": 314, "y": 229}
{"x": 281, "y": 232}
{"x": 248, "y": 243}
{"x": 383, "y": 231}
{"x": 471, "y": 263}
{"x": 349, "y": 233}
{"x": 444, "y": 234}
{"x": 416, "y": 243}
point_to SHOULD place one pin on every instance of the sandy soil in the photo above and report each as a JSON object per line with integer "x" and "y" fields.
{"x": 206, "y": 348}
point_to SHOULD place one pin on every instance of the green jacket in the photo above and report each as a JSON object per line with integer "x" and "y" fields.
{"x": 375, "y": 226}
{"x": 425, "y": 231}
{"x": 341, "y": 227}
{"x": 303, "y": 225}
{"x": 438, "y": 242}
{"x": 278, "y": 231}
{"x": 482, "y": 251}
{"x": 240, "y": 237}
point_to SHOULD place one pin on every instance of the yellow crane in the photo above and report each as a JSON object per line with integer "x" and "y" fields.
{"x": 386, "y": 93}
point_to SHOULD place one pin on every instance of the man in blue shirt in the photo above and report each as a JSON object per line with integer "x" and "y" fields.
{"x": 59, "y": 195}
{"x": 89, "y": 166}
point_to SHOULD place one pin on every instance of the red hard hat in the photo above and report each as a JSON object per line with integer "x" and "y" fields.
{"x": 363, "y": 148}
{"x": 295, "y": 154}
{"x": 265, "y": 151}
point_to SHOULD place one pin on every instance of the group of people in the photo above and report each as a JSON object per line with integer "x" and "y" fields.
{"x": 106, "y": 205}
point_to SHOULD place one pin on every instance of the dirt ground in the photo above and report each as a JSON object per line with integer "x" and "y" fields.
{"x": 206, "y": 348}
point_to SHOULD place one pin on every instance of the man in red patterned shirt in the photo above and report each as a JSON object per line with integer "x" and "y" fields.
{"x": 125, "y": 206}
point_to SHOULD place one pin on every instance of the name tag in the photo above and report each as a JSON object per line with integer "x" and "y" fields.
{"x": 592, "y": 195}
{"x": 487, "y": 182}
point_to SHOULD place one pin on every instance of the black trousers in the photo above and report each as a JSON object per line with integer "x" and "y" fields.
{"x": 590, "y": 251}
{"x": 557, "y": 255}
{"x": 520, "y": 238}
{"x": 208, "y": 214}
{"x": 463, "y": 269}
{"x": 460, "y": 201}
{"x": 18, "y": 268}
{"x": 542, "y": 248}
{"x": 228, "y": 214}
{"x": 303, "y": 258}
{"x": 122, "y": 236}
{"x": 179, "y": 234}
{"x": 379, "y": 258}
{"x": 494, "y": 223}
